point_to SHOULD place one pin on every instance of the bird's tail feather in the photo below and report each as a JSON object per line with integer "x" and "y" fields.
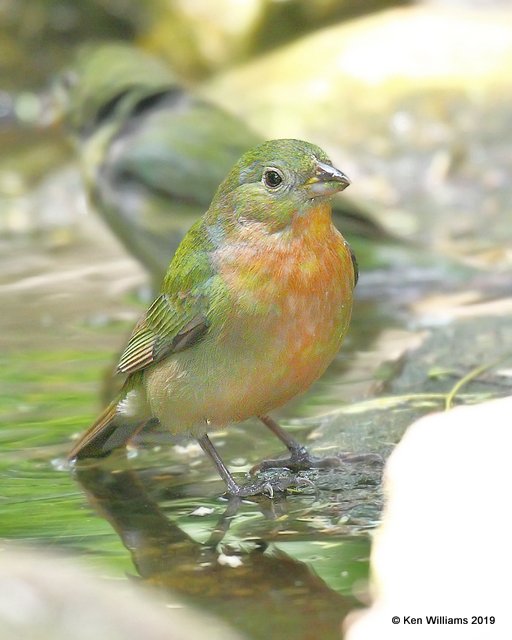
{"x": 111, "y": 430}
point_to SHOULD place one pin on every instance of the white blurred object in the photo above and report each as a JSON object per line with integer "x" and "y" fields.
{"x": 51, "y": 597}
{"x": 443, "y": 548}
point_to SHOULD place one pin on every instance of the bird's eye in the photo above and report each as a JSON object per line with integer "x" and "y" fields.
{"x": 272, "y": 178}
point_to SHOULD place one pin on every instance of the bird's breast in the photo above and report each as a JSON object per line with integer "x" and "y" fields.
{"x": 278, "y": 321}
{"x": 290, "y": 301}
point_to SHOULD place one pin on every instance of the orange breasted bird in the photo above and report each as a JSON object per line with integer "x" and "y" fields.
{"x": 253, "y": 308}
{"x": 153, "y": 151}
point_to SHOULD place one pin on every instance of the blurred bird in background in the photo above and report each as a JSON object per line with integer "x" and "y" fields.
{"x": 153, "y": 152}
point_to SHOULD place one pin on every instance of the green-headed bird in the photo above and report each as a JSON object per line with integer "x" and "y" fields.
{"x": 154, "y": 153}
{"x": 253, "y": 308}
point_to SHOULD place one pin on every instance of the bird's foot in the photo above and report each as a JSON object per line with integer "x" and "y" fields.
{"x": 266, "y": 486}
{"x": 301, "y": 460}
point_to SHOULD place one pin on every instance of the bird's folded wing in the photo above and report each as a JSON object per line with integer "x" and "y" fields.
{"x": 167, "y": 327}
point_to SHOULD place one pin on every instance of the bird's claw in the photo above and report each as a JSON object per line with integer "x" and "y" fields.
{"x": 303, "y": 460}
{"x": 263, "y": 487}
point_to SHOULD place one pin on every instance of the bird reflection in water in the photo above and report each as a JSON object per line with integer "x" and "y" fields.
{"x": 258, "y": 589}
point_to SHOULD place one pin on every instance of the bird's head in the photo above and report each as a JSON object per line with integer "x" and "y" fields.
{"x": 277, "y": 181}
{"x": 101, "y": 77}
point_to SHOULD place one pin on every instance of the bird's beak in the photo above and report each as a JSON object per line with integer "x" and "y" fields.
{"x": 326, "y": 181}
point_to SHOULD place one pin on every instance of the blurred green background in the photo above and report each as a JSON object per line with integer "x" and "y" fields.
{"x": 411, "y": 100}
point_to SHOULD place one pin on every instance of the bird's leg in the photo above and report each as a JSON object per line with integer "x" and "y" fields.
{"x": 242, "y": 491}
{"x": 300, "y": 456}
{"x": 300, "y": 459}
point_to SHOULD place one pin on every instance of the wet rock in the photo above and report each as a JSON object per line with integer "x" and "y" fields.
{"x": 464, "y": 361}
{"x": 461, "y": 361}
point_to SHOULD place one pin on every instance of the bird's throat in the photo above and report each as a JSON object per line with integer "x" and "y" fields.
{"x": 314, "y": 223}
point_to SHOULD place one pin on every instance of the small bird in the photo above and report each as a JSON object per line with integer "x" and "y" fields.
{"x": 153, "y": 152}
{"x": 253, "y": 308}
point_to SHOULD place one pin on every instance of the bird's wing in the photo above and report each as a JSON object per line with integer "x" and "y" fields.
{"x": 169, "y": 326}
{"x": 355, "y": 265}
